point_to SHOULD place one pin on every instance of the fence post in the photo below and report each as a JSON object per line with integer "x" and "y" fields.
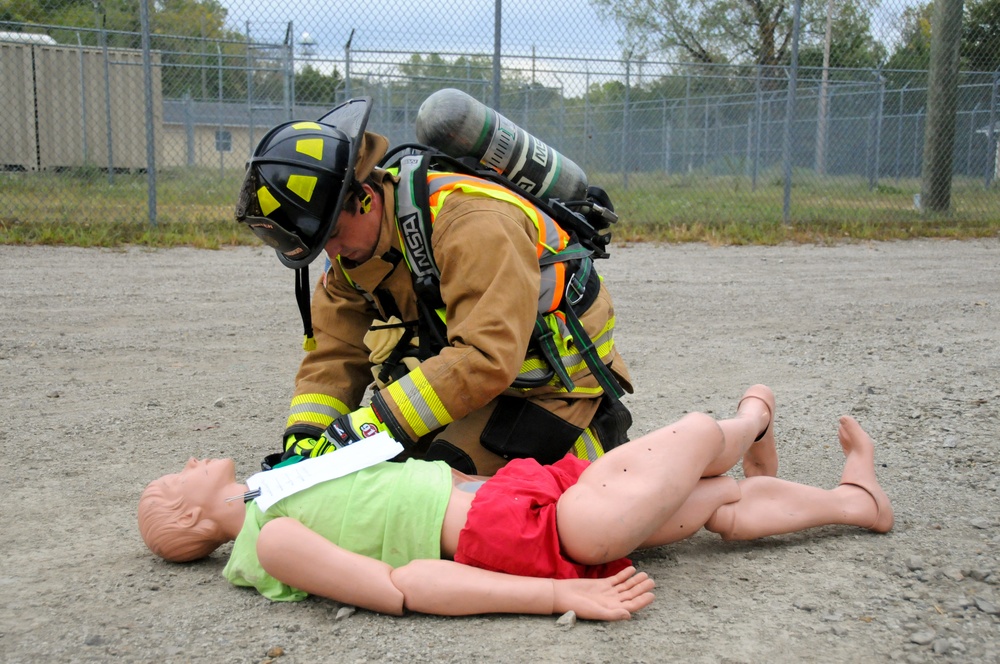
{"x": 899, "y": 127}
{"x": 687, "y": 122}
{"x": 83, "y": 102}
{"x": 793, "y": 74}
{"x": 625, "y": 118}
{"x": 991, "y": 134}
{"x": 188, "y": 129}
{"x": 218, "y": 132}
{"x": 147, "y": 78}
{"x": 758, "y": 103}
{"x": 253, "y": 142}
{"x": 918, "y": 130}
{"x": 869, "y": 149}
{"x": 666, "y": 139}
{"x": 107, "y": 103}
{"x": 289, "y": 87}
{"x": 972, "y": 136}
{"x": 879, "y": 101}
{"x": 586, "y": 119}
{"x": 704, "y": 135}
{"x": 347, "y": 66}
{"x": 497, "y": 44}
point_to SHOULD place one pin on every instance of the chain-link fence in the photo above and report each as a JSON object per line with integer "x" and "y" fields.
{"x": 818, "y": 110}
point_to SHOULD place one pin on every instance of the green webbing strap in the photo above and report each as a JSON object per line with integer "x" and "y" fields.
{"x": 586, "y": 346}
{"x": 547, "y": 346}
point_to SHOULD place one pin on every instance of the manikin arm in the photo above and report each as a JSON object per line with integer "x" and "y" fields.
{"x": 299, "y": 557}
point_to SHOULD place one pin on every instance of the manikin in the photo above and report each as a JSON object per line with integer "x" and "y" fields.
{"x": 533, "y": 539}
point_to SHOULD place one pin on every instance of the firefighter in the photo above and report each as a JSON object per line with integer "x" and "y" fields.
{"x": 463, "y": 379}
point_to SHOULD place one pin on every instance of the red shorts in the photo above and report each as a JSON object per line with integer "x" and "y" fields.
{"x": 511, "y": 526}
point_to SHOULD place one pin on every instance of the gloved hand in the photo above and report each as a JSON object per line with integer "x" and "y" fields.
{"x": 303, "y": 447}
{"x": 346, "y": 429}
{"x": 350, "y": 428}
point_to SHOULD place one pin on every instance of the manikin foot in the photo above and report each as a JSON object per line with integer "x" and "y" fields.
{"x": 762, "y": 457}
{"x": 859, "y": 470}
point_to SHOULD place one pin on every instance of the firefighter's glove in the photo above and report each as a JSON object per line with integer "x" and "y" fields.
{"x": 382, "y": 339}
{"x": 350, "y": 428}
{"x": 305, "y": 447}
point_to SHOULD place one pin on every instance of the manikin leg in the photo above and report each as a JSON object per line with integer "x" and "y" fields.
{"x": 656, "y": 492}
{"x": 634, "y": 489}
{"x": 770, "y": 506}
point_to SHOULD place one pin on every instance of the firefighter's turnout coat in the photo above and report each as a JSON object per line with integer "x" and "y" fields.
{"x": 487, "y": 251}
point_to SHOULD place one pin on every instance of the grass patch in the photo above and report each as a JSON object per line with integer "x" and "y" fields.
{"x": 87, "y": 207}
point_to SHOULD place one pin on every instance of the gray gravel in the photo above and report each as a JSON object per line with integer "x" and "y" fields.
{"x": 118, "y": 365}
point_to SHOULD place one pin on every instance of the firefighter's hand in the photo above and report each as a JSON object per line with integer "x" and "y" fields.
{"x": 306, "y": 447}
{"x": 350, "y": 428}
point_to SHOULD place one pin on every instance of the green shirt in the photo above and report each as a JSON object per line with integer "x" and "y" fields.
{"x": 392, "y": 512}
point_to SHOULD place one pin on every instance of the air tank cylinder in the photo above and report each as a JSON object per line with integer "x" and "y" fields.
{"x": 460, "y": 126}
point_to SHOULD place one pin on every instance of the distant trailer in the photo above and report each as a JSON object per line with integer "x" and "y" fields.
{"x": 26, "y": 38}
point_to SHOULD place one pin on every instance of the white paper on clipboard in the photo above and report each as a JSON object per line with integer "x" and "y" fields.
{"x": 282, "y": 482}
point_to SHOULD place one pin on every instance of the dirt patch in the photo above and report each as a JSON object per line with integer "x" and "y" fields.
{"x": 118, "y": 365}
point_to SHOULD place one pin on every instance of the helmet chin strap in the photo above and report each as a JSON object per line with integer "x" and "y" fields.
{"x": 302, "y": 286}
{"x": 302, "y": 298}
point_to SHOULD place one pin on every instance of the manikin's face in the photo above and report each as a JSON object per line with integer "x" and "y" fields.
{"x": 355, "y": 234}
{"x": 201, "y": 480}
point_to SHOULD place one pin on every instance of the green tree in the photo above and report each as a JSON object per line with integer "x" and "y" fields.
{"x": 981, "y": 35}
{"x": 314, "y": 87}
{"x": 755, "y": 32}
{"x": 914, "y": 49}
{"x": 852, "y": 45}
{"x": 428, "y": 73}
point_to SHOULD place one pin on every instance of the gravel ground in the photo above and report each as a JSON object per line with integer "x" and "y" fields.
{"x": 118, "y": 365}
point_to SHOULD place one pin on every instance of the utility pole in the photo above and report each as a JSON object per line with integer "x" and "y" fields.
{"x": 942, "y": 105}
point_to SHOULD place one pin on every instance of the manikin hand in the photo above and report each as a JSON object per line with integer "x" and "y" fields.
{"x": 614, "y": 598}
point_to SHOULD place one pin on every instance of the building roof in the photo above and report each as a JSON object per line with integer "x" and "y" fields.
{"x": 232, "y": 114}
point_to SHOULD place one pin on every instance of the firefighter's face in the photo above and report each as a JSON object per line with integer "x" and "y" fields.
{"x": 356, "y": 233}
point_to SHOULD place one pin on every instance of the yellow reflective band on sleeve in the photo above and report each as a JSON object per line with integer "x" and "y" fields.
{"x": 306, "y": 125}
{"x": 303, "y": 185}
{"x": 418, "y": 403}
{"x": 268, "y": 203}
{"x": 315, "y": 409}
{"x": 311, "y": 147}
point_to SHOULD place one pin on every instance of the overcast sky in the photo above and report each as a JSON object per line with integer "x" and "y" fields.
{"x": 553, "y": 27}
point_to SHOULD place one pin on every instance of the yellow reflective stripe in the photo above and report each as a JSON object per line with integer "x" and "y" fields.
{"x": 303, "y": 185}
{"x": 343, "y": 271}
{"x": 587, "y": 390}
{"x": 318, "y": 409}
{"x": 306, "y": 125}
{"x": 587, "y": 446}
{"x": 268, "y": 203}
{"x": 605, "y": 341}
{"x": 311, "y": 147}
{"x": 550, "y": 235}
{"x": 419, "y": 405}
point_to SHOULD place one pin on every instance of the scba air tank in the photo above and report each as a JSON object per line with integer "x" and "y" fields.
{"x": 460, "y": 126}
